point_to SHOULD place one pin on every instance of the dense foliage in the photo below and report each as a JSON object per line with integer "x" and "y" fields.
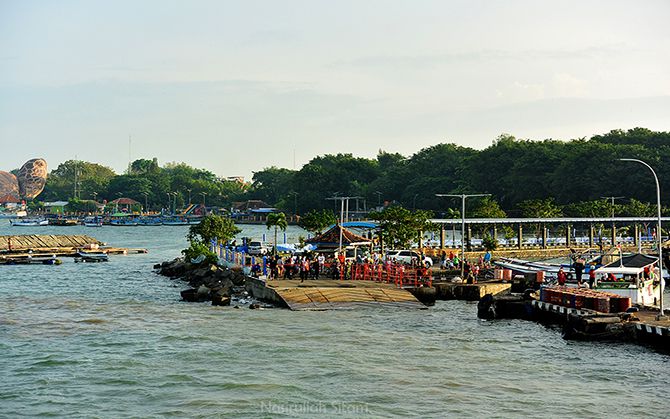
{"x": 317, "y": 221}
{"x": 212, "y": 227}
{"x": 525, "y": 178}
{"x": 399, "y": 226}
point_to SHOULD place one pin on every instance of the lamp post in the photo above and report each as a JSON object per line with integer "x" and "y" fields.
{"x": 463, "y": 196}
{"x": 661, "y": 313}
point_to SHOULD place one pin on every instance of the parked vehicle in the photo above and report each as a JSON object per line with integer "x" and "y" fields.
{"x": 257, "y": 248}
{"x": 408, "y": 256}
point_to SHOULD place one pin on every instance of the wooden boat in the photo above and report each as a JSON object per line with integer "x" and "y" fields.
{"x": 29, "y": 222}
{"x": 93, "y": 222}
{"x": 91, "y": 257}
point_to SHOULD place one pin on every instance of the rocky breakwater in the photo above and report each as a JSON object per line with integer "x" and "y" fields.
{"x": 208, "y": 282}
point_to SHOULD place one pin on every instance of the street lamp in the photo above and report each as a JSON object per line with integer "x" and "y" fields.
{"x": 658, "y": 234}
{"x": 462, "y": 196}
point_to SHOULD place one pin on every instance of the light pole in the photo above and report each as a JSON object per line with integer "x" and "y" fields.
{"x": 661, "y": 314}
{"x": 612, "y": 198}
{"x": 295, "y": 202}
{"x": 463, "y": 196}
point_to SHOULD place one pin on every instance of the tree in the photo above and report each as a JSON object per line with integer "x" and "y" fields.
{"x": 399, "y": 227}
{"x": 213, "y": 227}
{"x": 317, "y": 221}
{"x": 278, "y": 220}
{"x": 540, "y": 208}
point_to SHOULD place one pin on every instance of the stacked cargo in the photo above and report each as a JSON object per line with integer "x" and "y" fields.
{"x": 604, "y": 302}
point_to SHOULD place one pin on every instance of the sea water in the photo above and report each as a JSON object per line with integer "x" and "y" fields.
{"x": 113, "y": 340}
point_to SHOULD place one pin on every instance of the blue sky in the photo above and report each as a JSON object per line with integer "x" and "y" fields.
{"x": 237, "y": 86}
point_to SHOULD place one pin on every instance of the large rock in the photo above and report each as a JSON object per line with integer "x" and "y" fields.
{"x": 29, "y": 182}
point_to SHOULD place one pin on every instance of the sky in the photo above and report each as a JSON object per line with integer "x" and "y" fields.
{"x": 237, "y": 86}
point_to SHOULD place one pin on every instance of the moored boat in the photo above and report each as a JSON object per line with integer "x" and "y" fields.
{"x": 635, "y": 276}
{"x": 29, "y": 222}
{"x": 93, "y": 222}
{"x": 91, "y": 257}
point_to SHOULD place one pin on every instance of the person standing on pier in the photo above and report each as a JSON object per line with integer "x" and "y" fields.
{"x": 579, "y": 268}
{"x": 592, "y": 276}
{"x": 562, "y": 277}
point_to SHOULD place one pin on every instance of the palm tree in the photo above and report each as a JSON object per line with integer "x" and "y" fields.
{"x": 278, "y": 220}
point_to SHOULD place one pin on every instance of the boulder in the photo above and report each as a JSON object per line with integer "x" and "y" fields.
{"x": 193, "y": 296}
{"x": 220, "y": 301}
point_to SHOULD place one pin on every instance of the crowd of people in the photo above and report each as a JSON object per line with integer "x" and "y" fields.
{"x": 330, "y": 266}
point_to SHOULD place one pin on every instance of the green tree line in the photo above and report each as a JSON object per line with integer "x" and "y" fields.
{"x": 524, "y": 177}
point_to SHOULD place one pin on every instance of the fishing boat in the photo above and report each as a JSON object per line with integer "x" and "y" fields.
{"x": 590, "y": 258}
{"x": 635, "y": 276}
{"x": 175, "y": 222}
{"x": 93, "y": 222}
{"x": 150, "y": 221}
{"x": 29, "y": 222}
{"x": 91, "y": 257}
{"x": 124, "y": 222}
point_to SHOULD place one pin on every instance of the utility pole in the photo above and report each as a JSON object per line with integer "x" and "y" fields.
{"x": 462, "y": 196}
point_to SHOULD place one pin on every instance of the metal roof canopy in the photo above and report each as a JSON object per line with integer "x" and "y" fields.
{"x": 547, "y": 220}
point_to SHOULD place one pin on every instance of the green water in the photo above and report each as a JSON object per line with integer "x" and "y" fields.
{"x": 113, "y": 340}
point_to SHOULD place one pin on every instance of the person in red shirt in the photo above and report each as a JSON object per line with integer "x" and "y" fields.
{"x": 562, "y": 277}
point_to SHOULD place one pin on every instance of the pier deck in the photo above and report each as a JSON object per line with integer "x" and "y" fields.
{"x": 45, "y": 242}
{"x": 331, "y": 294}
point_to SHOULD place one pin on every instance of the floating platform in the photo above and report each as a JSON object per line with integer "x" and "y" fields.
{"x": 330, "y": 294}
{"x": 39, "y": 245}
{"x": 469, "y": 292}
{"x": 44, "y": 242}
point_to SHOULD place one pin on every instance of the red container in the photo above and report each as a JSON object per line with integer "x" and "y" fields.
{"x": 624, "y": 304}
{"x": 602, "y": 304}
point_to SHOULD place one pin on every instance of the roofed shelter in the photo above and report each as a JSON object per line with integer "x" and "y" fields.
{"x": 330, "y": 240}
